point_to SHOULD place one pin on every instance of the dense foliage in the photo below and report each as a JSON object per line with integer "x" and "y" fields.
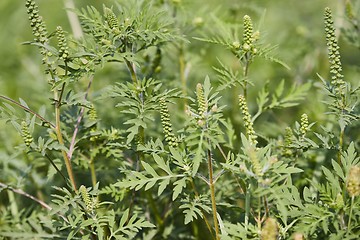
{"x": 178, "y": 120}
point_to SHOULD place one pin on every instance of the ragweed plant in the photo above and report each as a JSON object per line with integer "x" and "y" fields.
{"x": 159, "y": 152}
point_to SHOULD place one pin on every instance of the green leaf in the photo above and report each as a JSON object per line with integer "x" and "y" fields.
{"x": 179, "y": 185}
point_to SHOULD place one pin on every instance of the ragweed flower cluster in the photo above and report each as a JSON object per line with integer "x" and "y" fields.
{"x": 111, "y": 19}
{"x": 62, "y": 43}
{"x": 255, "y": 161}
{"x": 92, "y": 114}
{"x": 202, "y": 105}
{"x": 270, "y": 229}
{"x": 247, "y": 120}
{"x": 90, "y": 202}
{"x": 25, "y": 134}
{"x": 36, "y": 22}
{"x": 249, "y": 37}
{"x": 288, "y": 140}
{"x": 167, "y": 128}
{"x": 353, "y": 182}
{"x": 333, "y": 54}
{"x": 304, "y": 125}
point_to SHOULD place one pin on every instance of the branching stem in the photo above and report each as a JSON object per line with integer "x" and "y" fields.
{"x": 69, "y": 170}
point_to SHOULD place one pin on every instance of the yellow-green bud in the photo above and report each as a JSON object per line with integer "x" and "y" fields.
{"x": 198, "y": 21}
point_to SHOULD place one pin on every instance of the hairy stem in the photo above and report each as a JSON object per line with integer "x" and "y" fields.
{"x": 212, "y": 192}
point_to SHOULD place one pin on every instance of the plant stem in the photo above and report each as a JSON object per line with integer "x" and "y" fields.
{"x": 245, "y": 73}
{"x": 182, "y": 72}
{"x": 212, "y": 192}
{"x": 81, "y": 114}
{"x": 28, "y": 110}
{"x": 350, "y": 215}
{"x": 341, "y": 142}
{"x": 73, "y": 19}
{"x": 60, "y": 138}
{"x": 93, "y": 173}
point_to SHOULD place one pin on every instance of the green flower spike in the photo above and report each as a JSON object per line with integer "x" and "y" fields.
{"x": 167, "y": 128}
{"x": 249, "y": 37}
{"x": 287, "y": 142}
{"x": 304, "y": 125}
{"x": 270, "y": 229}
{"x": 89, "y": 203}
{"x": 333, "y": 54}
{"x": 255, "y": 161}
{"x": 247, "y": 120}
{"x": 353, "y": 182}
{"x": 92, "y": 113}
{"x": 111, "y": 19}
{"x": 62, "y": 43}
{"x": 25, "y": 134}
{"x": 202, "y": 106}
{"x": 36, "y": 22}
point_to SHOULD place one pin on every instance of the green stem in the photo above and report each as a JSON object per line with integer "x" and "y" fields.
{"x": 28, "y": 110}
{"x": 93, "y": 173}
{"x": 341, "y": 142}
{"x": 245, "y": 73}
{"x": 350, "y": 215}
{"x": 69, "y": 170}
{"x": 182, "y": 72}
{"x": 212, "y": 192}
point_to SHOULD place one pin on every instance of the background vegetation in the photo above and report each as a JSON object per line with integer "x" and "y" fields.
{"x": 306, "y": 159}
